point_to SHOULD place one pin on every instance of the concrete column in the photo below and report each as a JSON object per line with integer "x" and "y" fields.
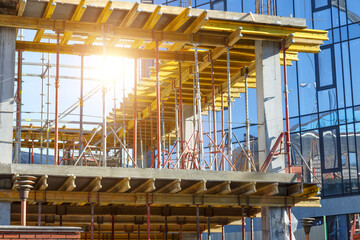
{"x": 7, "y": 73}
{"x": 269, "y": 114}
{"x": 269, "y": 101}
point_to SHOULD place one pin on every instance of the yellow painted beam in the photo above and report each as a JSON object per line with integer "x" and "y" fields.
{"x": 20, "y": 7}
{"x": 50, "y": 8}
{"x": 150, "y": 23}
{"x": 79, "y": 11}
{"x": 128, "y": 20}
{"x": 104, "y": 16}
{"x": 194, "y": 27}
{"x": 174, "y": 25}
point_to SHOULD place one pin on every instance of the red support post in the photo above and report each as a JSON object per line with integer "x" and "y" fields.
{"x": 56, "y": 147}
{"x": 158, "y": 130}
{"x": 287, "y": 133}
{"x": 180, "y": 232}
{"x": 135, "y": 113}
{"x": 222, "y": 232}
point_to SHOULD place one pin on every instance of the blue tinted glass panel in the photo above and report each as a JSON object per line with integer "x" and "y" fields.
{"x": 329, "y": 148}
{"x": 320, "y": 3}
{"x": 218, "y": 5}
{"x": 354, "y": 30}
{"x": 357, "y": 136}
{"x": 349, "y": 115}
{"x": 342, "y": 116}
{"x": 322, "y": 19}
{"x": 307, "y": 85}
{"x": 309, "y": 122}
{"x": 327, "y": 100}
{"x": 353, "y": 7}
{"x": 352, "y": 157}
{"x": 199, "y": 2}
{"x": 346, "y": 67}
{"x": 357, "y": 113}
{"x": 339, "y": 76}
{"x": 206, "y": 6}
{"x": 303, "y": 9}
{"x": 335, "y": 16}
{"x": 337, "y": 227}
{"x": 294, "y": 124}
{"x": 336, "y": 35}
{"x": 328, "y": 119}
{"x": 344, "y": 35}
{"x": 310, "y": 149}
{"x": 355, "y": 69}
{"x": 344, "y": 159}
{"x": 325, "y": 69}
{"x": 342, "y": 11}
{"x": 332, "y": 184}
{"x": 293, "y": 94}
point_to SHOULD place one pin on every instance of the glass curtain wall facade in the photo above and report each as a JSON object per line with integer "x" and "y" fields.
{"x": 324, "y": 88}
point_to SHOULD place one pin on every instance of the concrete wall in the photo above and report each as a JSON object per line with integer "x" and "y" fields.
{"x": 7, "y": 71}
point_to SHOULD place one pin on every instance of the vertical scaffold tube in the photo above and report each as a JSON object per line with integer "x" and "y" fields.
{"x": 177, "y": 125}
{"x": 229, "y": 106}
{"x": 163, "y": 133}
{"x": 247, "y": 121}
{"x": 135, "y": 113}
{"x": 48, "y": 109}
{"x": 18, "y": 109}
{"x": 104, "y": 103}
{"x": 198, "y": 99}
{"x": 42, "y": 108}
{"x": 222, "y": 129}
{"x": 158, "y": 130}
{"x": 124, "y": 154}
{"x": 209, "y": 123}
{"x": 152, "y": 141}
{"x": 242, "y": 222}
{"x": 209, "y": 227}
{"x": 56, "y": 147}
{"x": 214, "y": 111}
{"x": 287, "y": 126}
{"x": 81, "y": 106}
{"x": 286, "y": 109}
{"x": 181, "y": 118}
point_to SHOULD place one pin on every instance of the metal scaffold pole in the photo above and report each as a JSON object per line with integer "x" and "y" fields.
{"x": 42, "y": 107}
{"x": 163, "y": 133}
{"x": 124, "y": 116}
{"x": 214, "y": 111}
{"x": 247, "y": 121}
{"x": 158, "y": 130}
{"x": 56, "y": 147}
{"x": 177, "y": 125}
{"x": 48, "y": 109}
{"x": 81, "y": 106}
{"x": 104, "y": 104}
{"x": 229, "y": 106}
{"x": 135, "y": 112}
{"x": 17, "y": 154}
{"x": 181, "y": 118}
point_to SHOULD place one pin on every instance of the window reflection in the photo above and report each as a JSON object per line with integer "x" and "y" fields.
{"x": 311, "y": 153}
{"x": 329, "y": 148}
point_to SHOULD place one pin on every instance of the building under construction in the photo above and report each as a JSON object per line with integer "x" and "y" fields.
{"x": 165, "y": 161}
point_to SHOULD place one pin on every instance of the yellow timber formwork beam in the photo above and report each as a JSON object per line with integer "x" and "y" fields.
{"x": 174, "y": 25}
{"x": 95, "y": 29}
{"x": 194, "y": 27}
{"x": 104, "y": 16}
{"x": 128, "y": 20}
{"x": 79, "y": 11}
{"x": 50, "y": 8}
{"x": 150, "y": 23}
{"x": 78, "y": 49}
{"x": 161, "y": 199}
